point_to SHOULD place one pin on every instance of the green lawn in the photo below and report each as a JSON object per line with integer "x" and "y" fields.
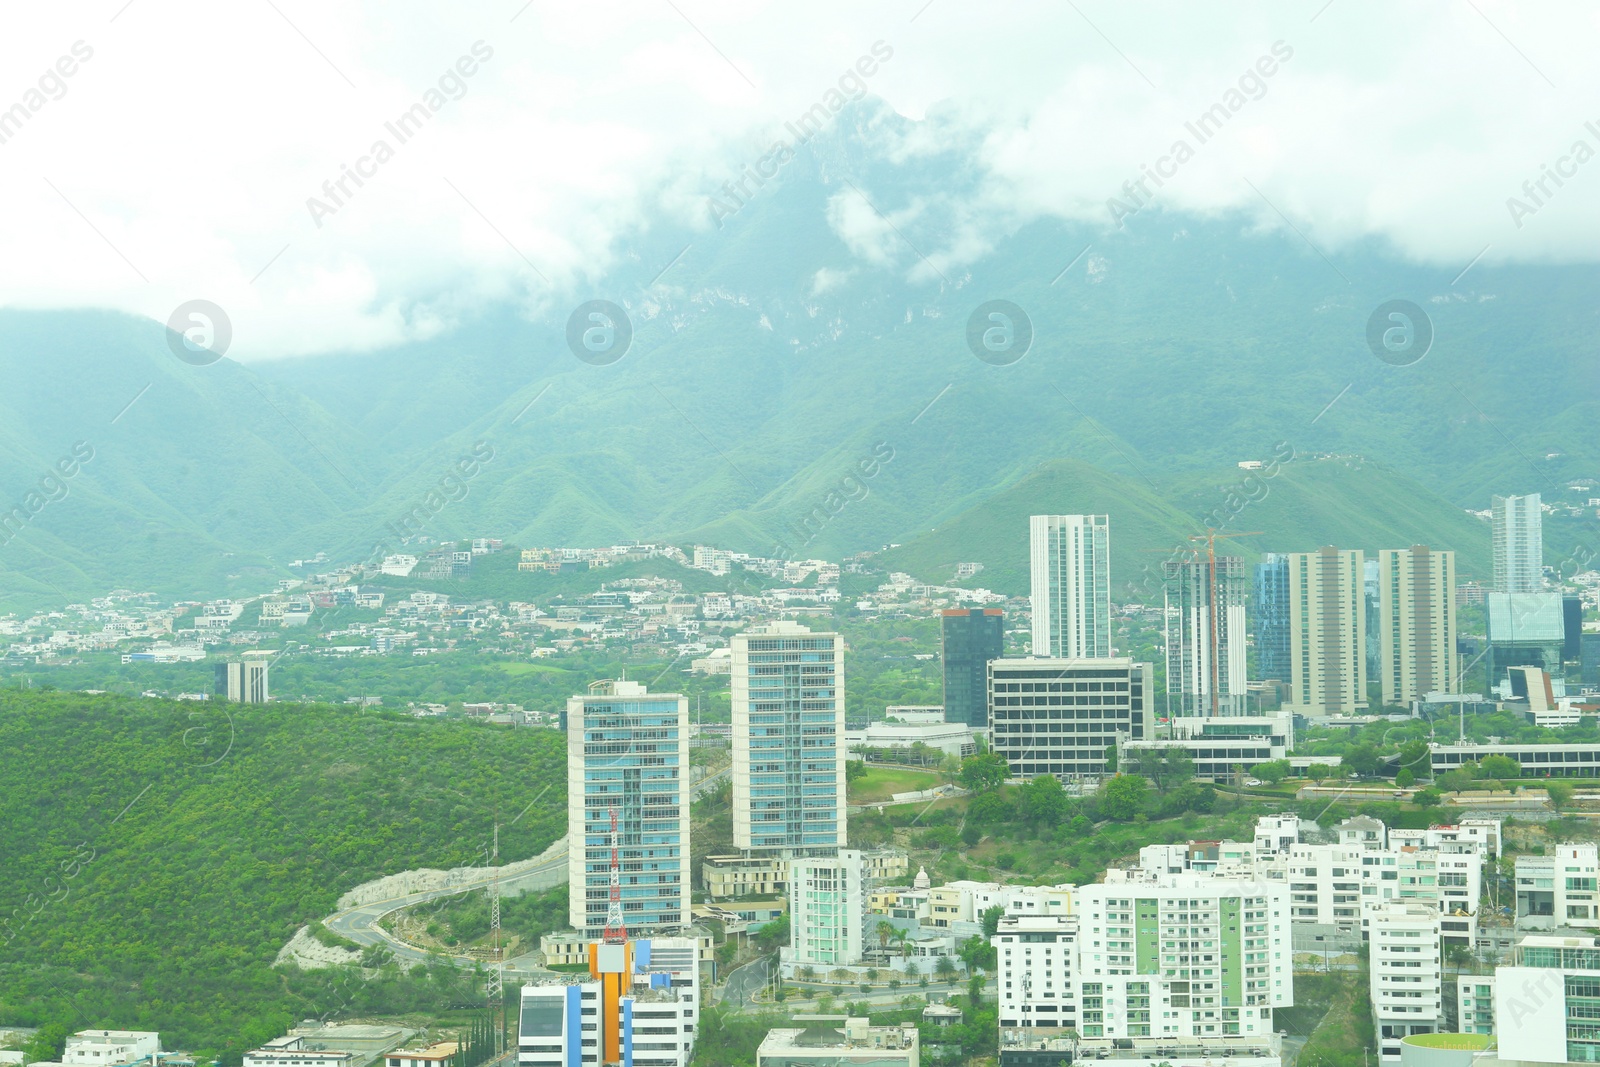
{"x": 531, "y": 668}
{"x": 881, "y": 783}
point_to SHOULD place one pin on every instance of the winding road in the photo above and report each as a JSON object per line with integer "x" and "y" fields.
{"x": 360, "y": 923}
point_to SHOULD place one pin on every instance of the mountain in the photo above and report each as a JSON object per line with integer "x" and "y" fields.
{"x": 776, "y": 360}
{"x": 1299, "y": 504}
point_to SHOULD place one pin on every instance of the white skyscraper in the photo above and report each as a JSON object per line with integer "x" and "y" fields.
{"x": 628, "y": 753}
{"x": 788, "y": 740}
{"x": 1070, "y": 559}
{"x": 1518, "y": 544}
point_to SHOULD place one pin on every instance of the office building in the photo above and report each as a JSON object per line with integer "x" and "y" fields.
{"x": 827, "y": 911}
{"x": 971, "y": 637}
{"x": 1525, "y": 630}
{"x": 1070, "y": 558}
{"x": 1034, "y": 956}
{"x": 1062, "y": 716}
{"x": 1327, "y": 632}
{"x": 1223, "y": 749}
{"x": 1416, "y": 624}
{"x": 1205, "y": 636}
{"x": 839, "y": 1041}
{"x": 1188, "y": 958}
{"x": 1405, "y": 975}
{"x": 1517, "y": 531}
{"x": 1272, "y": 617}
{"x": 628, "y": 759}
{"x": 638, "y": 1006}
{"x": 242, "y": 681}
{"x": 788, "y": 740}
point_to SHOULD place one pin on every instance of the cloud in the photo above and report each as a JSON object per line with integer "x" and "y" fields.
{"x": 177, "y": 161}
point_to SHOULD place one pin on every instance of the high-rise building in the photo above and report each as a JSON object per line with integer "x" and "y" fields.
{"x": 788, "y": 740}
{"x": 628, "y": 759}
{"x": 1518, "y": 536}
{"x": 1186, "y": 958}
{"x": 1525, "y": 629}
{"x": 1205, "y": 636}
{"x": 1416, "y": 623}
{"x": 1405, "y": 974}
{"x": 1064, "y": 716}
{"x": 1070, "y": 558}
{"x": 1327, "y": 632}
{"x": 242, "y": 681}
{"x": 971, "y": 638}
{"x": 827, "y": 911}
{"x": 1272, "y": 617}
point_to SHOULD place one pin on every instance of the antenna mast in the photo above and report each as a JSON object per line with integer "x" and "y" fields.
{"x": 616, "y": 931}
{"x": 494, "y": 985}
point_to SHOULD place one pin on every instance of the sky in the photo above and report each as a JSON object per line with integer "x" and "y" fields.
{"x": 155, "y": 152}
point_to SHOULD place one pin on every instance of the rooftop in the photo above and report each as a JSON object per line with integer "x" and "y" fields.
{"x": 1467, "y": 1042}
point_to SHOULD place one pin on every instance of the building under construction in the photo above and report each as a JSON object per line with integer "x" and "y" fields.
{"x": 1205, "y": 634}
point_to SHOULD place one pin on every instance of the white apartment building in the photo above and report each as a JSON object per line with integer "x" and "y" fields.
{"x": 1405, "y": 974}
{"x": 1474, "y": 1003}
{"x": 1517, "y": 524}
{"x": 1363, "y": 832}
{"x": 827, "y": 911}
{"x": 788, "y": 738}
{"x": 1559, "y": 888}
{"x": 1416, "y": 623}
{"x": 1189, "y": 959}
{"x": 110, "y": 1048}
{"x": 1277, "y": 834}
{"x": 1070, "y": 567}
{"x": 1325, "y": 885}
{"x": 1034, "y": 958}
{"x": 1327, "y": 632}
{"x": 1449, "y": 882}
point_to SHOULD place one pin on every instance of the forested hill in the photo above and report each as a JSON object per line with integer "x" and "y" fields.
{"x": 156, "y": 855}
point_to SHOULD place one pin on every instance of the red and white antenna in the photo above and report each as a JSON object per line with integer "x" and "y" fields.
{"x": 616, "y": 929}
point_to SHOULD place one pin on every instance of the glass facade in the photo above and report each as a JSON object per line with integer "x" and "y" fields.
{"x": 972, "y": 637}
{"x": 1272, "y": 617}
{"x": 795, "y": 726}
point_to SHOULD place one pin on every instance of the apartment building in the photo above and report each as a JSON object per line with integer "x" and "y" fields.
{"x": 1327, "y": 632}
{"x": 1547, "y": 1000}
{"x": 627, "y": 761}
{"x": 788, "y": 738}
{"x": 827, "y": 911}
{"x": 1035, "y": 956}
{"x": 111, "y": 1048}
{"x": 1277, "y": 834}
{"x": 1559, "y": 888}
{"x": 1205, "y": 635}
{"x": 1187, "y": 959}
{"x": 1405, "y": 974}
{"x": 1070, "y": 568}
{"x": 1416, "y": 624}
{"x": 728, "y": 877}
{"x": 1475, "y": 1003}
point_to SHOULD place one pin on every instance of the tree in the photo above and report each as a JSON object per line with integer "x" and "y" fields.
{"x": 1123, "y": 796}
{"x": 1317, "y": 772}
{"x": 885, "y": 930}
{"x": 912, "y": 970}
{"x": 1560, "y": 794}
{"x": 1361, "y": 759}
{"x": 1426, "y": 798}
{"x": 770, "y": 935}
{"x": 992, "y": 917}
{"x": 945, "y": 968}
{"x": 854, "y": 770}
{"x": 976, "y": 952}
{"x": 983, "y": 773}
{"x": 806, "y": 973}
{"x": 1272, "y": 771}
{"x": 1416, "y": 758}
{"x": 1404, "y": 777}
{"x": 1044, "y": 801}
{"x": 1503, "y": 767}
{"x": 1162, "y": 767}
{"x": 1455, "y": 781}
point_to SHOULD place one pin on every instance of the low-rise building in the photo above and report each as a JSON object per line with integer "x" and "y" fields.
{"x": 111, "y": 1048}
{"x": 731, "y": 877}
{"x": 839, "y": 1041}
{"x": 438, "y": 1054}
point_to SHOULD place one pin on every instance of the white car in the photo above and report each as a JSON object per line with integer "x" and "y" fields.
{"x": 1252, "y": 781}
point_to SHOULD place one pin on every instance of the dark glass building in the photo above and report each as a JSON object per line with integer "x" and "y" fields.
{"x": 1272, "y": 617}
{"x": 971, "y": 637}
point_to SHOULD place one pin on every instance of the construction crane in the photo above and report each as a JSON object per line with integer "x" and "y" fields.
{"x": 1210, "y": 537}
{"x": 616, "y": 931}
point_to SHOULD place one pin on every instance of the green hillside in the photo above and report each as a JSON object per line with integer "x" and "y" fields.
{"x": 155, "y": 856}
{"x": 1306, "y": 503}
